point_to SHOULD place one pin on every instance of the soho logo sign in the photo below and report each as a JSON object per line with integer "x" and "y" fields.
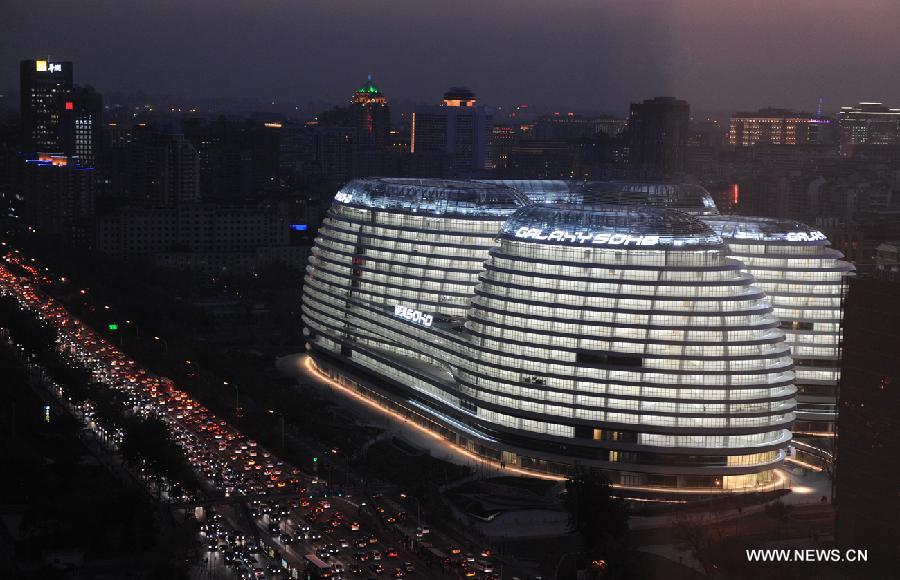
{"x": 586, "y": 237}
{"x": 343, "y": 197}
{"x": 413, "y": 315}
{"x": 805, "y": 236}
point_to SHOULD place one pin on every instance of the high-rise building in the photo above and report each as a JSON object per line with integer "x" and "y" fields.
{"x": 370, "y": 114}
{"x": 80, "y": 125}
{"x": 868, "y": 124}
{"x": 658, "y": 135}
{"x": 868, "y": 442}
{"x": 776, "y": 127}
{"x": 46, "y": 89}
{"x": 458, "y": 128}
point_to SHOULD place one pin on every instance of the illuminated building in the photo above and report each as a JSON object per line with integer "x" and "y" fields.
{"x": 775, "y": 127}
{"x": 805, "y": 281}
{"x": 868, "y": 124}
{"x": 45, "y": 88}
{"x": 615, "y": 337}
{"x": 370, "y": 114}
{"x": 81, "y": 125}
{"x": 458, "y": 128}
{"x": 658, "y": 131}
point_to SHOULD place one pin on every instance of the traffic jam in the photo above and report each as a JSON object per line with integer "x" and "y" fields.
{"x": 303, "y": 528}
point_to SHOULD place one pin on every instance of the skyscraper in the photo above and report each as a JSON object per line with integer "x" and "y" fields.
{"x": 45, "y": 88}
{"x": 658, "y": 135}
{"x": 80, "y": 128}
{"x": 370, "y": 113}
{"x": 868, "y": 442}
{"x": 457, "y": 128}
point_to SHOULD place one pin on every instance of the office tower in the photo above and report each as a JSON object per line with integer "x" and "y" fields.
{"x": 776, "y": 127}
{"x": 80, "y": 125}
{"x": 458, "y": 129}
{"x": 868, "y": 124}
{"x": 868, "y": 442}
{"x": 46, "y": 88}
{"x": 658, "y": 136}
{"x": 501, "y": 142}
{"x": 160, "y": 170}
{"x": 620, "y": 338}
{"x": 59, "y": 195}
{"x": 370, "y": 114}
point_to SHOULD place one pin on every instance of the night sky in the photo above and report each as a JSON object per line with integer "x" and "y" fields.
{"x": 584, "y": 54}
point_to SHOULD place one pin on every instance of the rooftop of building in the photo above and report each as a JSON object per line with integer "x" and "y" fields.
{"x": 765, "y": 229}
{"x": 432, "y": 196}
{"x": 577, "y": 224}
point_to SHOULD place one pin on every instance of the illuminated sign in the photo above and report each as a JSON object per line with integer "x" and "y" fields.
{"x": 805, "y": 236}
{"x": 70, "y": 105}
{"x": 44, "y": 66}
{"x": 616, "y": 239}
{"x": 413, "y": 315}
{"x": 299, "y": 227}
{"x": 343, "y": 197}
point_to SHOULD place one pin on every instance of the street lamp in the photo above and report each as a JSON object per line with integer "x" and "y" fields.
{"x": 165, "y": 344}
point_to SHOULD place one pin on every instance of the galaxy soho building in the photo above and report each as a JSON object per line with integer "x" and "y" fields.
{"x": 547, "y": 324}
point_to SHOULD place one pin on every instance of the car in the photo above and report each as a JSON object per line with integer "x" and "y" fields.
{"x": 286, "y": 538}
{"x": 409, "y": 567}
{"x": 373, "y": 539}
{"x": 343, "y": 542}
{"x": 391, "y": 553}
{"x": 361, "y": 544}
{"x": 455, "y": 550}
{"x": 376, "y": 555}
{"x": 356, "y": 569}
{"x": 273, "y": 528}
{"x": 323, "y": 554}
{"x": 377, "y": 569}
{"x": 398, "y": 573}
{"x": 338, "y": 568}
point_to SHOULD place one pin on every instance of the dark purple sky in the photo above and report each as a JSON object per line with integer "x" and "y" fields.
{"x": 587, "y": 54}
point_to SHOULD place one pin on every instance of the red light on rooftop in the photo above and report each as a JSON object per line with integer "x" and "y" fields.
{"x": 70, "y": 105}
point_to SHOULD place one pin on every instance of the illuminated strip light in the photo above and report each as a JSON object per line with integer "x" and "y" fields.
{"x": 451, "y": 421}
{"x": 313, "y": 369}
{"x": 777, "y": 483}
{"x": 801, "y": 463}
{"x": 813, "y": 447}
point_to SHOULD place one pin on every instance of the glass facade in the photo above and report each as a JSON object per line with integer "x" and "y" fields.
{"x": 634, "y": 340}
{"x": 804, "y": 279}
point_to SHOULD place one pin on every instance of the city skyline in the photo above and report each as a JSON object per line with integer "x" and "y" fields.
{"x": 715, "y": 57}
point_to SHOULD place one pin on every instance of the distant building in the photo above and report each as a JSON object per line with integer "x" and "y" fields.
{"x": 658, "y": 135}
{"x": 59, "y": 195}
{"x": 45, "y": 89}
{"x": 776, "y": 127}
{"x": 81, "y": 128}
{"x": 371, "y": 115}
{"x": 458, "y": 129}
{"x": 207, "y": 238}
{"x": 503, "y": 138}
{"x": 868, "y": 442}
{"x": 868, "y": 124}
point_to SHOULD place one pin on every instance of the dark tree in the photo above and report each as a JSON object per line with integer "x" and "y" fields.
{"x": 599, "y": 518}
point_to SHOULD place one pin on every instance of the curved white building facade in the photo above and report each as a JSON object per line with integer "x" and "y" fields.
{"x": 624, "y": 339}
{"x": 804, "y": 279}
